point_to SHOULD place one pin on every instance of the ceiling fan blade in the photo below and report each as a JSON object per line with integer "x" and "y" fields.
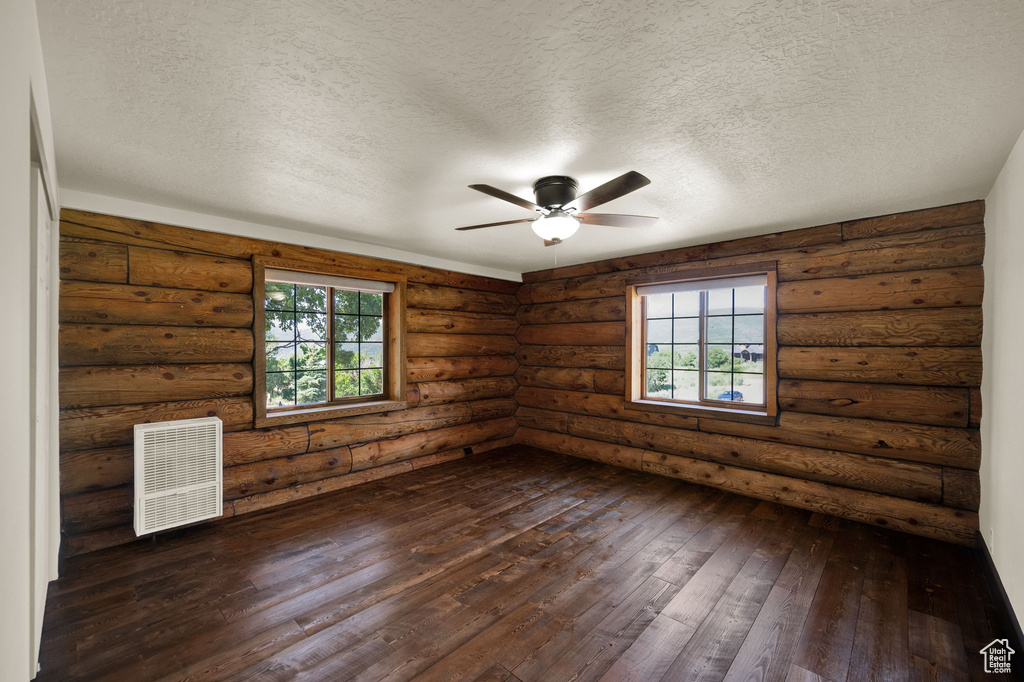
{"x": 613, "y": 189}
{"x": 503, "y": 222}
{"x": 505, "y": 196}
{"x": 616, "y": 219}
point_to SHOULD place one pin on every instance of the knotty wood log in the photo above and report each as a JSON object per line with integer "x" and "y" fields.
{"x": 545, "y": 420}
{"x": 89, "y": 225}
{"x": 90, "y": 470}
{"x": 283, "y": 472}
{"x": 435, "y": 297}
{"x": 437, "y": 392}
{"x": 246, "y": 447}
{"x": 916, "y": 404}
{"x": 951, "y": 247}
{"x": 94, "y": 510}
{"x": 442, "y": 345}
{"x": 590, "y": 310}
{"x": 933, "y": 327}
{"x": 93, "y": 261}
{"x": 99, "y": 427}
{"x": 413, "y": 445}
{"x": 446, "y": 368}
{"x": 911, "y": 365}
{"x": 73, "y": 545}
{"x": 600, "y": 405}
{"x": 573, "y": 379}
{"x": 93, "y": 386}
{"x": 455, "y": 322}
{"x": 138, "y": 345}
{"x": 809, "y": 236}
{"x": 595, "y": 357}
{"x": 961, "y": 488}
{"x": 617, "y": 455}
{"x": 183, "y": 270}
{"x": 89, "y": 303}
{"x": 890, "y": 291}
{"x": 594, "y": 333}
{"x": 969, "y": 213}
{"x": 911, "y": 442}
{"x": 304, "y": 490}
{"x": 892, "y": 477}
{"x": 917, "y": 518}
{"x": 370, "y": 427}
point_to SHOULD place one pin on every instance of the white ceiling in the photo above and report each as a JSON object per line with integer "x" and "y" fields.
{"x": 366, "y": 120}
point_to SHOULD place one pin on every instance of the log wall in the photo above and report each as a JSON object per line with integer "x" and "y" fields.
{"x": 155, "y": 325}
{"x": 879, "y": 363}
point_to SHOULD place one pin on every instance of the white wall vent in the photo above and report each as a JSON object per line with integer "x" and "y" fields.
{"x": 178, "y": 473}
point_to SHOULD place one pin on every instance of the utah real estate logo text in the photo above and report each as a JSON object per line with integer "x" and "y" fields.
{"x": 997, "y": 656}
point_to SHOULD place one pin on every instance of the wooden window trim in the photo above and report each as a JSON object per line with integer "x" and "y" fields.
{"x": 634, "y": 400}
{"x": 394, "y": 372}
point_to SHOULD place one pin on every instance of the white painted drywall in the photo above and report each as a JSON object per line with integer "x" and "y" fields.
{"x": 1002, "y": 388}
{"x": 22, "y": 98}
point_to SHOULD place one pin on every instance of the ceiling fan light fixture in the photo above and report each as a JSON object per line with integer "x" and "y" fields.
{"x": 557, "y": 225}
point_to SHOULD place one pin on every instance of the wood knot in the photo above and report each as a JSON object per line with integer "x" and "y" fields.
{"x": 237, "y": 375}
{"x": 168, "y": 335}
{"x": 168, "y": 375}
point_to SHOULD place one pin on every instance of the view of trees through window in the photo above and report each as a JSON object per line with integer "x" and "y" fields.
{"x": 727, "y": 323}
{"x": 298, "y": 336}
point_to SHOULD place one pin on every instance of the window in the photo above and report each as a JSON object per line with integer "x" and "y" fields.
{"x": 704, "y": 343}
{"x": 329, "y": 342}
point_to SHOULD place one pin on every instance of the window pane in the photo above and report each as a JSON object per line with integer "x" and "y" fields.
{"x": 346, "y": 355}
{"x": 371, "y": 328}
{"x": 311, "y": 356}
{"x": 280, "y": 296}
{"x": 659, "y": 331}
{"x": 346, "y": 328}
{"x": 754, "y": 364}
{"x": 659, "y": 383}
{"x": 720, "y": 330}
{"x": 750, "y": 299}
{"x": 750, "y": 387}
{"x": 312, "y": 326}
{"x": 280, "y": 326}
{"x": 371, "y": 381}
{"x": 311, "y": 298}
{"x": 311, "y": 387}
{"x": 686, "y": 356}
{"x": 720, "y": 302}
{"x": 686, "y": 330}
{"x": 280, "y": 389}
{"x": 346, "y": 302}
{"x": 280, "y": 356}
{"x": 685, "y": 385}
{"x": 659, "y": 305}
{"x": 687, "y": 304}
{"x": 659, "y": 356}
{"x": 749, "y": 329}
{"x": 346, "y": 383}
{"x": 718, "y": 357}
{"x": 719, "y": 386}
{"x": 371, "y": 304}
{"x": 371, "y": 355}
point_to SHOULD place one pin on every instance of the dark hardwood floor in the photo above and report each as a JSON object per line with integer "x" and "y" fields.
{"x": 523, "y": 565}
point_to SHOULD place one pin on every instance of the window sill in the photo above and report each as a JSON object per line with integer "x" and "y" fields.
{"x": 764, "y": 417}
{"x": 300, "y": 416}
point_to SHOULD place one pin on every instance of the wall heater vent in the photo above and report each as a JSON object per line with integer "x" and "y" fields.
{"x": 178, "y": 473}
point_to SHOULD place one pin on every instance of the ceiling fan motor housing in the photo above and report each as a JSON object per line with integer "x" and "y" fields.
{"x": 555, "y": 190}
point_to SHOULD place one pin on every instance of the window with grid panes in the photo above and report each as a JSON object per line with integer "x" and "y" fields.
{"x": 705, "y": 343}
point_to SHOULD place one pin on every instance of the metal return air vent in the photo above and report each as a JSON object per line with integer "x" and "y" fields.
{"x": 178, "y": 473}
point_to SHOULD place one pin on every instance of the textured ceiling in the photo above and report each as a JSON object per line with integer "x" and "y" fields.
{"x": 366, "y": 120}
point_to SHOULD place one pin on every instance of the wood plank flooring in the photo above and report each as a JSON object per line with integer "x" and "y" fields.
{"x": 523, "y": 566}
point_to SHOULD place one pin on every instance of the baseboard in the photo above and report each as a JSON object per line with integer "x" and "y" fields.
{"x": 1007, "y": 616}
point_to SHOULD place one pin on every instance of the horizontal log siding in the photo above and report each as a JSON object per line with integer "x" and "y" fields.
{"x": 156, "y": 326}
{"x": 879, "y": 329}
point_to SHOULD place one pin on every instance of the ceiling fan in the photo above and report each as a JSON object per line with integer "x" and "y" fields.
{"x": 561, "y": 210}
